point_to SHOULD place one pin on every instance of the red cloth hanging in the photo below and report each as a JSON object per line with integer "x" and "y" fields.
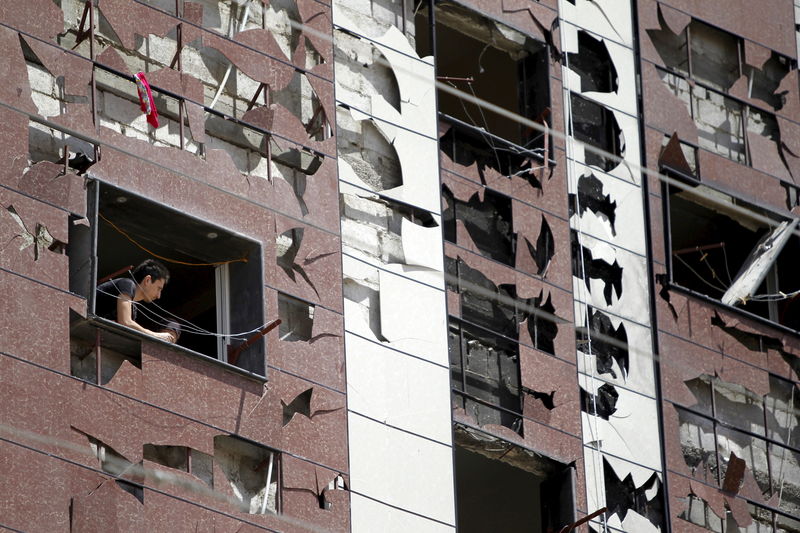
{"x": 146, "y": 102}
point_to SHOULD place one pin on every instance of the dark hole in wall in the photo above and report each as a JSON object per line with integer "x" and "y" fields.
{"x": 449, "y": 214}
{"x": 590, "y": 197}
{"x": 594, "y": 65}
{"x": 499, "y": 308}
{"x": 494, "y": 496}
{"x": 586, "y": 267}
{"x": 622, "y": 495}
{"x": 485, "y": 366}
{"x": 714, "y": 55}
{"x": 300, "y": 405}
{"x": 539, "y": 313}
{"x": 182, "y": 458}
{"x": 488, "y": 222}
{"x": 466, "y": 145}
{"x": 287, "y": 245}
{"x": 602, "y": 404}
{"x": 607, "y": 343}
{"x": 504, "y": 487}
{"x": 544, "y": 250}
{"x": 596, "y": 126}
{"x": 297, "y": 318}
{"x": 486, "y": 304}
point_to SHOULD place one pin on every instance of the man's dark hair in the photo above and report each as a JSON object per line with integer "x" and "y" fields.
{"x": 150, "y": 267}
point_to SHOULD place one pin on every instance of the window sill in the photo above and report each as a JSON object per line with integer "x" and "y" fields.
{"x": 746, "y": 314}
{"x": 114, "y": 327}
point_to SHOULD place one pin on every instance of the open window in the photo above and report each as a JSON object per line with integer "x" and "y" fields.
{"x": 504, "y": 487}
{"x": 498, "y": 64}
{"x": 729, "y": 250}
{"x": 216, "y": 277}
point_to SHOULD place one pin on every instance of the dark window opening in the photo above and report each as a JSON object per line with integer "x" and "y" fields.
{"x": 594, "y": 65}
{"x": 504, "y": 487}
{"x": 484, "y": 375}
{"x": 743, "y": 261}
{"x": 596, "y": 126}
{"x": 495, "y": 63}
{"x": 216, "y": 277}
{"x": 705, "y": 53}
{"x": 499, "y": 309}
{"x": 488, "y": 222}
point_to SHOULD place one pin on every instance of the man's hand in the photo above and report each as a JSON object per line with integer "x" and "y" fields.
{"x": 166, "y": 336}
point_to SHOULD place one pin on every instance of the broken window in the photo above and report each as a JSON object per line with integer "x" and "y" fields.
{"x": 730, "y": 423}
{"x": 484, "y": 344}
{"x": 495, "y": 63}
{"x": 504, "y": 487}
{"x": 744, "y": 259}
{"x": 498, "y": 307}
{"x": 703, "y": 52}
{"x": 488, "y": 222}
{"x": 594, "y": 65}
{"x": 252, "y": 473}
{"x": 484, "y": 374}
{"x": 182, "y": 458}
{"x": 702, "y": 64}
{"x": 595, "y": 125}
{"x": 216, "y": 277}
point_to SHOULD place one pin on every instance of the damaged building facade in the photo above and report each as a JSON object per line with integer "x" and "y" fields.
{"x": 475, "y": 265}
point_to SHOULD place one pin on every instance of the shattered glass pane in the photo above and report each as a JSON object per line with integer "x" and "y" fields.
{"x": 697, "y": 443}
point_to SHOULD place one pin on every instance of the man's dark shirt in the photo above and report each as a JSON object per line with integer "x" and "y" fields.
{"x": 107, "y": 294}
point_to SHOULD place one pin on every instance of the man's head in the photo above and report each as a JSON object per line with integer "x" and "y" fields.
{"x": 150, "y": 276}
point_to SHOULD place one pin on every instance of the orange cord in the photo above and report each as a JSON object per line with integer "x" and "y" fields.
{"x": 243, "y": 259}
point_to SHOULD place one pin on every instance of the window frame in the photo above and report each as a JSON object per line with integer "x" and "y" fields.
{"x": 669, "y": 276}
{"x": 768, "y": 441}
{"x": 84, "y": 274}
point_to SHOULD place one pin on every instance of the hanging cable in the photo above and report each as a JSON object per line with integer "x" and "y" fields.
{"x": 166, "y": 259}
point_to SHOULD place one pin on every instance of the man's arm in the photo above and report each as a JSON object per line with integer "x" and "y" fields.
{"x": 125, "y": 317}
